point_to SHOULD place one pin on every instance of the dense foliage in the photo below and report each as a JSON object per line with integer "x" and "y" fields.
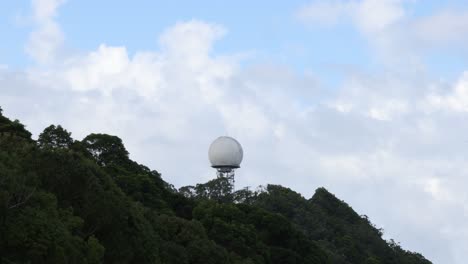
{"x": 68, "y": 201}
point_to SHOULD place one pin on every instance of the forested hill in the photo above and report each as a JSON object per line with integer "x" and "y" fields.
{"x": 69, "y": 201}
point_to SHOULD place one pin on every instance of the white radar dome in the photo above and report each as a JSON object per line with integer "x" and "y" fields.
{"x": 225, "y": 153}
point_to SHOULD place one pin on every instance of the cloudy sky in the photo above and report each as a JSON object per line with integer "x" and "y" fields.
{"x": 368, "y": 98}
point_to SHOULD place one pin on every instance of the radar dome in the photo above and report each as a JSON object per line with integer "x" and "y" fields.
{"x": 225, "y": 154}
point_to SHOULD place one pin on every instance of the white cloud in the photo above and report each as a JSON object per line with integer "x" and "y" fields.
{"x": 435, "y": 188}
{"x": 398, "y": 37}
{"x": 191, "y": 39}
{"x": 377, "y": 15}
{"x": 442, "y": 28}
{"x": 246, "y": 118}
{"x": 385, "y": 111}
{"x": 109, "y": 68}
{"x": 46, "y": 39}
{"x": 455, "y": 100}
{"x": 370, "y": 16}
{"x": 325, "y": 12}
{"x": 45, "y": 10}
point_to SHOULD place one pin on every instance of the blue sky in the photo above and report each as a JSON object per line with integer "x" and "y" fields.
{"x": 268, "y": 30}
{"x": 273, "y": 34}
{"x": 368, "y": 98}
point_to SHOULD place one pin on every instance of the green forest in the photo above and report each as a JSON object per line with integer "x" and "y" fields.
{"x": 64, "y": 200}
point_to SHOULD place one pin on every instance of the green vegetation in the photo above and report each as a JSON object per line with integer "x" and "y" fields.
{"x": 69, "y": 201}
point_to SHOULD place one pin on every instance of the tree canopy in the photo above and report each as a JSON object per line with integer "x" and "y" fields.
{"x": 69, "y": 201}
{"x": 55, "y": 137}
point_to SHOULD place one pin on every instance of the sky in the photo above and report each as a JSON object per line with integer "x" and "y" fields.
{"x": 367, "y": 98}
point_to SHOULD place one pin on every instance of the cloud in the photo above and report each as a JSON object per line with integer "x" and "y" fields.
{"x": 374, "y": 16}
{"x": 397, "y": 36}
{"x": 325, "y": 12}
{"x": 46, "y": 39}
{"x": 383, "y": 23}
{"x": 370, "y": 16}
{"x": 442, "y": 28}
{"x": 45, "y": 10}
{"x": 190, "y": 39}
{"x": 455, "y": 100}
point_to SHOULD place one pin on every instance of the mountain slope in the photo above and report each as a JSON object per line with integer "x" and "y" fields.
{"x": 68, "y": 201}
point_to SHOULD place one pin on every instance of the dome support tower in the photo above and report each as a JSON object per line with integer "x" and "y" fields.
{"x": 229, "y": 176}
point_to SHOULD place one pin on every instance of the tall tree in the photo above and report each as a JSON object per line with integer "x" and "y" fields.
{"x": 106, "y": 149}
{"x": 55, "y": 137}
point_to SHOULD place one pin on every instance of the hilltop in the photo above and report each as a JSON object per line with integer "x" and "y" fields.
{"x": 84, "y": 201}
